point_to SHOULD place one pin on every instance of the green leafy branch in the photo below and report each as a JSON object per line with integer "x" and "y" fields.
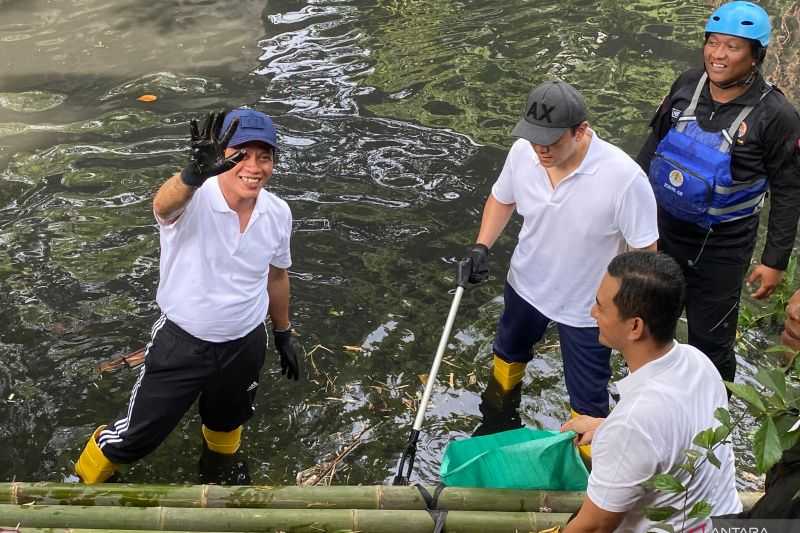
{"x": 705, "y": 442}
{"x": 776, "y": 410}
{"x": 774, "y": 311}
{"x": 790, "y": 359}
{"x": 775, "y": 407}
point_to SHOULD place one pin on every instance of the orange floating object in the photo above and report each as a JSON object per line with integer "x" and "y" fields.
{"x": 148, "y": 98}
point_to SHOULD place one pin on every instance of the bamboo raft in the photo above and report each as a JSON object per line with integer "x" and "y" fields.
{"x": 56, "y": 507}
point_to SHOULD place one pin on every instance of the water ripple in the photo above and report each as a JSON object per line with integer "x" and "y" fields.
{"x": 393, "y": 119}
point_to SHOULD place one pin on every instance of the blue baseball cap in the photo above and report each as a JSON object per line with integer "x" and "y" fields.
{"x": 253, "y": 126}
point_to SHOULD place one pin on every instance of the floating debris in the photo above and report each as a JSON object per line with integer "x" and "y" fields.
{"x": 353, "y": 348}
{"x": 131, "y": 360}
{"x": 323, "y": 473}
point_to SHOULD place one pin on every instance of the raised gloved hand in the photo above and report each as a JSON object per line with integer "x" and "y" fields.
{"x": 207, "y": 157}
{"x": 474, "y": 268}
{"x": 288, "y": 348}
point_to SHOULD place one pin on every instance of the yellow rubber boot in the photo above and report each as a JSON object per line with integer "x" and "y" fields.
{"x": 586, "y": 449}
{"x": 92, "y": 466}
{"x": 507, "y": 374}
{"x": 224, "y": 442}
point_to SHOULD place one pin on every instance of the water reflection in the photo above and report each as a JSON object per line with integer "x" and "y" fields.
{"x": 499, "y": 409}
{"x": 394, "y": 115}
{"x": 222, "y": 469}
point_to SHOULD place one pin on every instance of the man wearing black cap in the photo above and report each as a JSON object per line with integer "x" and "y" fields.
{"x": 582, "y": 201}
{"x": 223, "y": 269}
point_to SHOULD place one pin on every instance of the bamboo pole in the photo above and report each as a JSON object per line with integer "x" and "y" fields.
{"x": 83, "y": 530}
{"x": 291, "y": 497}
{"x": 246, "y": 520}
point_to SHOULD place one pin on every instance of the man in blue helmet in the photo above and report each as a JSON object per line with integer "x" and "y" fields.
{"x": 223, "y": 269}
{"x": 721, "y": 140}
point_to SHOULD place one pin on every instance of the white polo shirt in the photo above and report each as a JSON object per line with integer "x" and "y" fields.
{"x": 213, "y": 280}
{"x": 570, "y": 233}
{"x": 662, "y": 406}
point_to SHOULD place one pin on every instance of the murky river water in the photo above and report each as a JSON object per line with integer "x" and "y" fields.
{"x": 395, "y": 116}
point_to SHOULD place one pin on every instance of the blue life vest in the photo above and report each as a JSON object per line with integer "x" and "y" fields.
{"x": 691, "y": 171}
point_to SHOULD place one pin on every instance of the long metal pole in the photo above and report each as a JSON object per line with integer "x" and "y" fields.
{"x": 437, "y": 361}
{"x": 407, "y": 459}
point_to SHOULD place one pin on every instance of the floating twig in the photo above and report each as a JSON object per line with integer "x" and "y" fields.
{"x": 324, "y": 472}
{"x": 131, "y": 360}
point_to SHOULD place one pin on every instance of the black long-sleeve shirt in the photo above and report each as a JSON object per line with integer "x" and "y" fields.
{"x": 768, "y": 145}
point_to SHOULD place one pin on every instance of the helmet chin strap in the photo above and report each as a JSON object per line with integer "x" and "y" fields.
{"x": 747, "y": 80}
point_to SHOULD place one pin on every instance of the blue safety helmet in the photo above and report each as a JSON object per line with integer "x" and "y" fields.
{"x": 741, "y": 19}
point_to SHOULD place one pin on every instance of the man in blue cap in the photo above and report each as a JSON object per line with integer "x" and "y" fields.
{"x": 223, "y": 268}
{"x": 722, "y": 139}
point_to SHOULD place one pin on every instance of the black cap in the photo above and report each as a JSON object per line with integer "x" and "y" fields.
{"x": 552, "y": 108}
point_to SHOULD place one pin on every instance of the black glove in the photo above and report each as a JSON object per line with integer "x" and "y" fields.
{"x": 288, "y": 348}
{"x": 474, "y": 268}
{"x": 207, "y": 156}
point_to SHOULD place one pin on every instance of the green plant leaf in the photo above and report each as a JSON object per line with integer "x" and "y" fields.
{"x": 789, "y": 359}
{"x": 704, "y": 439}
{"x": 774, "y": 402}
{"x": 712, "y": 458}
{"x": 659, "y": 514}
{"x": 747, "y": 393}
{"x": 720, "y": 434}
{"x": 766, "y": 445}
{"x": 665, "y": 483}
{"x": 724, "y": 417}
{"x": 692, "y": 455}
{"x": 792, "y": 396}
{"x": 701, "y": 510}
{"x": 774, "y": 380}
{"x": 745, "y": 318}
{"x": 784, "y": 423}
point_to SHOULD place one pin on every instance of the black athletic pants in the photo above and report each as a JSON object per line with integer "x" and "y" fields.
{"x": 714, "y": 277}
{"x": 178, "y": 369}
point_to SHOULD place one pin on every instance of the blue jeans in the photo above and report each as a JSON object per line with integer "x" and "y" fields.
{"x": 587, "y": 367}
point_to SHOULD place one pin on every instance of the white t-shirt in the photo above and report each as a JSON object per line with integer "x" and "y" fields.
{"x": 213, "y": 280}
{"x": 662, "y": 406}
{"x": 570, "y": 234}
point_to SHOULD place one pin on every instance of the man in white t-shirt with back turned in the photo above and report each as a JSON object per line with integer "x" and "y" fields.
{"x": 669, "y": 396}
{"x": 583, "y": 201}
{"x": 223, "y": 269}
